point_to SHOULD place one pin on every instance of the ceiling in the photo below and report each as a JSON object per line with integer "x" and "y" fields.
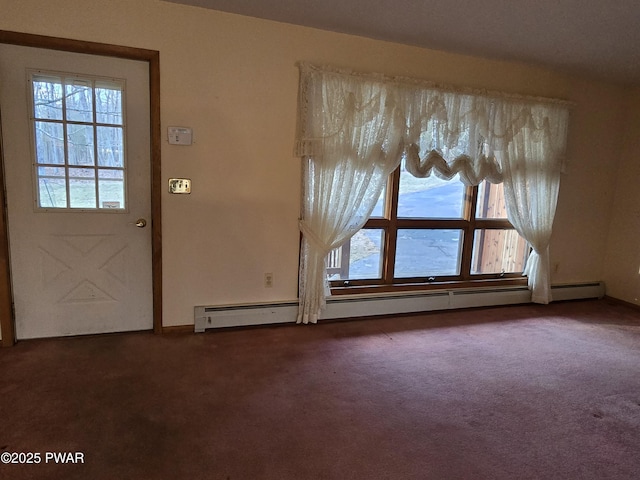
{"x": 598, "y": 38}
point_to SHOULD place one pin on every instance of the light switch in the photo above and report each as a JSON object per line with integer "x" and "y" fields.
{"x": 179, "y": 185}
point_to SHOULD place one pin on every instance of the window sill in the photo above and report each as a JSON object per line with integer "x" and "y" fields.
{"x": 407, "y": 287}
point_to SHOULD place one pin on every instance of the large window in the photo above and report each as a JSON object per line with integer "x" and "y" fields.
{"x": 353, "y": 130}
{"x": 78, "y": 137}
{"x": 428, "y": 231}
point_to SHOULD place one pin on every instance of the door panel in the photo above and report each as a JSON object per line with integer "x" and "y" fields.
{"x": 76, "y": 272}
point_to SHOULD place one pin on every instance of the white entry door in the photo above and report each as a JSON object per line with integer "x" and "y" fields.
{"x": 76, "y": 149}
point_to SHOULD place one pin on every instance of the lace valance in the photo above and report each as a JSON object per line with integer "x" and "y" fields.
{"x": 436, "y": 129}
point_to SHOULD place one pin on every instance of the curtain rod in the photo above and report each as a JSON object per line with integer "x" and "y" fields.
{"x": 409, "y": 81}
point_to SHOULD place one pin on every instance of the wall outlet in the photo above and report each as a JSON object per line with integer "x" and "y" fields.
{"x": 268, "y": 280}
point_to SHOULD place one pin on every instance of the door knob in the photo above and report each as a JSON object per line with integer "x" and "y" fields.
{"x": 141, "y": 223}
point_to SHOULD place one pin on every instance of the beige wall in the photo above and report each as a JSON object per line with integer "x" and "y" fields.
{"x": 233, "y": 80}
{"x": 622, "y": 262}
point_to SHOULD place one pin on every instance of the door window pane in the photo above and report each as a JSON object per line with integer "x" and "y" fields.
{"x": 108, "y": 103}
{"x": 111, "y": 188}
{"x": 47, "y": 98}
{"x": 79, "y": 156}
{"x": 79, "y": 101}
{"x": 80, "y": 144}
{"x": 82, "y": 188}
{"x": 52, "y": 192}
{"x": 428, "y": 252}
{"x": 49, "y": 143}
{"x": 110, "y": 147}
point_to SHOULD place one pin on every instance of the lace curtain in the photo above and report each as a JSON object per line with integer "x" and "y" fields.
{"x": 531, "y": 174}
{"x": 351, "y": 143}
{"x": 354, "y": 129}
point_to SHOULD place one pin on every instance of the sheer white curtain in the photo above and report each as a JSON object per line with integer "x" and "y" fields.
{"x": 351, "y": 142}
{"x": 354, "y": 129}
{"x": 449, "y": 133}
{"x": 531, "y": 163}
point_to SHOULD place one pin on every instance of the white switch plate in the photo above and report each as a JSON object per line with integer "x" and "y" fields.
{"x": 180, "y": 135}
{"x": 179, "y": 185}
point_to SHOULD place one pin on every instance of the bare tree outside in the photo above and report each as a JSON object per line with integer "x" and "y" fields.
{"x": 79, "y": 142}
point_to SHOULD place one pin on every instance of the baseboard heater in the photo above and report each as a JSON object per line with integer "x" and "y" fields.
{"x": 351, "y": 306}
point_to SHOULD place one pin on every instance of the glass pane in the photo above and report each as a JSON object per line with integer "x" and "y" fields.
{"x": 82, "y": 188}
{"x": 52, "y": 193}
{"x": 428, "y": 252}
{"x": 49, "y": 143}
{"x": 491, "y": 202}
{"x": 111, "y": 189}
{"x": 378, "y": 210}
{"x": 109, "y": 104}
{"x": 79, "y": 135}
{"x": 361, "y": 258}
{"x": 54, "y": 172}
{"x": 79, "y": 101}
{"x": 430, "y": 197}
{"x": 47, "y": 98}
{"x": 80, "y": 138}
{"x": 498, "y": 251}
{"x": 110, "y": 147}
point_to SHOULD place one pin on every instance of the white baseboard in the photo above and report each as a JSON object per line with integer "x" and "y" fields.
{"x": 351, "y": 306}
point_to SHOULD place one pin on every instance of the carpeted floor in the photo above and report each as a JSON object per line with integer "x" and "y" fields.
{"x": 526, "y": 392}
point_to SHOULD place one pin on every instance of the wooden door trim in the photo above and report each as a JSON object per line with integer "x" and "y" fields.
{"x": 7, "y": 321}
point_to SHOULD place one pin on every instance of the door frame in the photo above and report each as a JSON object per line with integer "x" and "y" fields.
{"x": 152, "y": 57}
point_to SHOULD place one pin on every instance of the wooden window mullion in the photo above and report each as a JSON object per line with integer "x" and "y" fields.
{"x": 391, "y": 233}
{"x": 468, "y": 224}
{"x": 470, "y": 199}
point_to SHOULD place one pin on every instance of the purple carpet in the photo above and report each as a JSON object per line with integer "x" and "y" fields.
{"x": 526, "y": 392}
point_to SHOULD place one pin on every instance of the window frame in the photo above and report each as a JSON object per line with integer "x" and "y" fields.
{"x": 95, "y": 83}
{"x": 390, "y": 224}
